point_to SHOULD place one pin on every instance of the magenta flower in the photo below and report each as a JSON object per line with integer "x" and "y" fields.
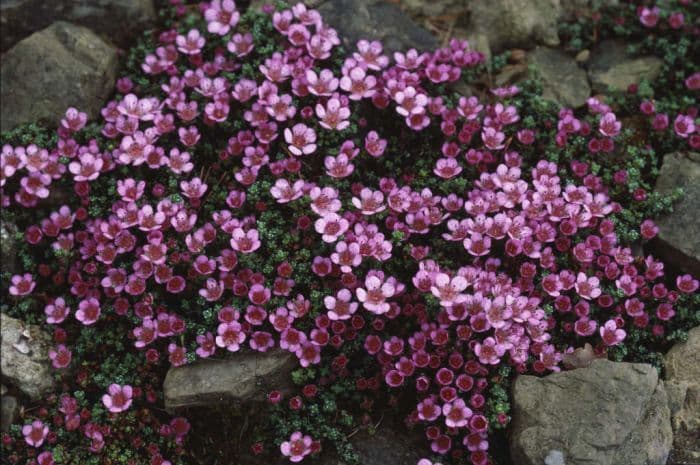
{"x": 56, "y": 312}
{"x": 611, "y": 334}
{"x": 60, "y": 356}
{"x": 456, "y": 414}
{"x": 298, "y": 446}
{"x": 340, "y": 307}
{"x": 21, "y": 285}
{"x": 331, "y": 227}
{"x": 684, "y": 126}
{"x": 88, "y": 311}
{"x": 118, "y": 398}
{"x": 587, "y": 287}
{"x": 230, "y": 336}
{"x": 35, "y": 433}
{"x": 649, "y": 17}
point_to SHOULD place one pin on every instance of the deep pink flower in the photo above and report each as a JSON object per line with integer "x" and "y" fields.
{"x": 60, "y": 356}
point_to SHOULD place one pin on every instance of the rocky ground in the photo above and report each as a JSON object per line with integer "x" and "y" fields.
{"x": 601, "y": 413}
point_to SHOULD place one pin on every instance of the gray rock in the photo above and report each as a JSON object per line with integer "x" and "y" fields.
{"x": 375, "y": 19}
{"x": 682, "y": 365}
{"x": 571, "y": 9}
{"x": 611, "y": 67}
{"x": 25, "y": 360}
{"x": 61, "y": 66}
{"x": 516, "y": 23}
{"x": 679, "y": 232}
{"x": 246, "y": 377}
{"x": 118, "y": 20}
{"x": 563, "y": 81}
{"x": 9, "y": 410}
{"x": 607, "y": 414}
{"x": 8, "y": 247}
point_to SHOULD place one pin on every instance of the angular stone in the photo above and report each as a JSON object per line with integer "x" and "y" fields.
{"x": 9, "y": 410}
{"x": 25, "y": 360}
{"x": 378, "y": 20}
{"x": 118, "y": 20}
{"x": 678, "y": 241}
{"x": 563, "y": 81}
{"x": 610, "y": 67}
{"x": 607, "y": 414}
{"x": 515, "y": 23}
{"x": 61, "y": 66}
{"x": 246, "y": 377}
{"x": 682, "y": 365}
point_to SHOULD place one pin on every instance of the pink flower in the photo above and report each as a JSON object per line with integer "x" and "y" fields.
{"x": 493, "y": 139}
{"x": 587, "y": 288}
{"x": 609, "y": 125}
{"x": 221, "y": 16}
{"x": 298, "y": 447}
{"x": 374, "y": 145}
{"x": 358, "y": 84}
{"x": 370, "y": 202}
{"x": 449, "y": 290}
{"x": 22, "y": 284}
{"x": 230, "y": 336}
{"x": 340, "y": 307}
{"x": 87, "y": 168}
{"x": 684, "y": 126}
{"x": 334, "y": 115}
{"x": 35, "y": 433}
{"x": 447, "y": 168}
{"x": 88, "y": 311}
{"x": 611, "y": 334}
{"x": 191, "y": 44}
{"x": 118, "y": 398}
{"x": 56, "y": 312}
{"x": 687, "y": 284}
{"x": 373, "y": 296}
{"x": 489, "y": 352}
{"x": 74, "y": 120}
{"x": 308, "y": 354}
{"x": 207, "y": 345}
{"x": 649, "y": 17}
{"x": 331, "y": 227}
{"x": 456, "y": 414}
{"x": 245, "y": 241}
{"x": 301, "y": 139}
{"x": 284, "y": 192}
{"x": 649, "y": 229}
{"x": 60, "y": 356}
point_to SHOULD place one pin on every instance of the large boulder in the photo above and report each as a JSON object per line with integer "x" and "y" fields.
{"x": 25, "y": 357}
{"x": 375, "y": 19}
{"x": 119, "y": 20}
{"x": 611, "y": 67}
{"x": 682, "y": 365}
{"x": 246, "y": 377}
{"x": 563, "y": 81}
{"x": 678, "y": 241}
{"x": 516, "y": 23}
{"x": 61, "y": 66}
{"x": 607, "y": 414}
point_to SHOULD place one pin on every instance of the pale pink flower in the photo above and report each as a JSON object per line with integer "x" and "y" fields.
{"x": 245, "y": 241}
{"x": 358, "y": 84}
{"x": 587, "y": 287}
{"x": 456, "y": 414}
{"x": 35, "y": 433}
{"x": 118, "y": 398}
{"x": 221, "y": 16}
{"x": 334, "y": 115}
{"x": 684, "y": 126}
{"x": 340, "y": 307}
{"x": 373, "y": 296}
{"x": 191, "y": 44}
{"x": 284, "y": 192}
{"x": 298, "y": 447}
{"x": 369, "y": 202}
{"x": 609, "y": 125}
{"x": 301, "y": 139}
{"x": 331, "y": 226}
{"x": 230, "y": 336}
{"x": 449, "y": 290}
